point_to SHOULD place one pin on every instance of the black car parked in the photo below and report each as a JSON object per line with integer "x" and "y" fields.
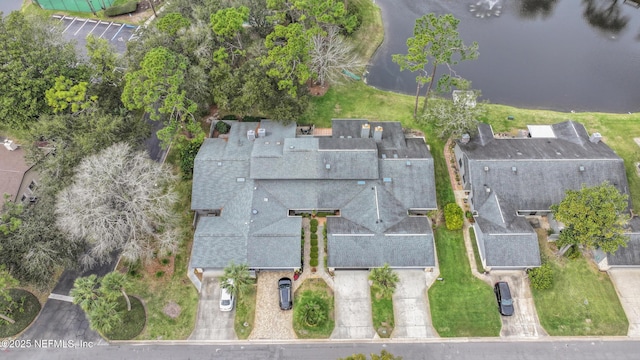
{"x": 503, "y": 295}
{"x": 284, "y": 289}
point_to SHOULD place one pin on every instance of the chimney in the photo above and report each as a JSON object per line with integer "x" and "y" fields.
{"x": 10, "y": 145}
{"x": 595, "y": 138}
{"x": 251, "y": 135}
{"x": 465, "y": 138}
{"x": 377, "y": 133}
{"x": 365, "y": 131}
{"x": 262, "y": 132}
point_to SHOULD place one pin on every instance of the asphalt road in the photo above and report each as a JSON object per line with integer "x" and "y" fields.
{"x": 461, "y": 349}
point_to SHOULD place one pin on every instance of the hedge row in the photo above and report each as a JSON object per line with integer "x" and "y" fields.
{"x": 122, "y": 9}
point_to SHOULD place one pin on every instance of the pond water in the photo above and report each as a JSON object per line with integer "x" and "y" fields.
{"x": 581, "y": 55}
{"x": 7, "y": 6}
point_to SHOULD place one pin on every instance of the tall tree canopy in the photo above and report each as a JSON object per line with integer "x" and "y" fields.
{"x": 594, "y": 217}
{"x": 33, "y": 54}
{"x": 120, "y": 200}
{"x": 436, "y": 40}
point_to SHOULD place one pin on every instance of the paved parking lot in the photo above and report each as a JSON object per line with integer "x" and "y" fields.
{"x": 352, "y": 305}
{"x": 627, "y": 284}
{"x": 79, "y": 29}
{"x": 524, "y": 322}
{"x": 411, "y": 306}
{"x": 271, "y": 322}
{"x": 211, "y": 323}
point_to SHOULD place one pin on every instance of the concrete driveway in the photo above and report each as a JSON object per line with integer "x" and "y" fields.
{"x": 524, "y": 322}
{"x": 211, "y": 323}
{"x": 352, "y": 305}
{"x": 270, "y": 321}
{"x": 411, "y": 306}
{"x": 627, "y": 284}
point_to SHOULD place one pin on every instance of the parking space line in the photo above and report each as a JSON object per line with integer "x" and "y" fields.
{"x": 68, "y": 26}
{"x": 83, "y": 24}
{"x": 105, "y": 30}
{"x": 94, "y": 27}
{"x": 118, "y": 32}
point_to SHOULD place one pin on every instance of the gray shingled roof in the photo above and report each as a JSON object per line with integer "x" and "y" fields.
{"x": 374, "y": 251}
{"x": 629, "y": 255}
{"x": 511, "y": 250}
{"x": 216, "y": 244}
{"x": 544, "y": 168}
{"x": 507, "y": 175}
{"x": 282, "y": 173}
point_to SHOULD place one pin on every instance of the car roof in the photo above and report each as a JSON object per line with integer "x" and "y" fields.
{"x": 504, "y": 289}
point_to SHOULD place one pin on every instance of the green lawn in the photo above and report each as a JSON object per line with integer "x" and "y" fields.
{"x": 314, "y": 290}
{"x": 581, "y": 301}
{"x": 461, "y": 304}
{"x": 382, "y": 312}
{"x": 245, "y": 313}
{"x": 24, "y": 312}
{"x": 132, "y": 323}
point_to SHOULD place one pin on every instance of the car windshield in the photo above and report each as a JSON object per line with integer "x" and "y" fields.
{"x": 507, "y": 302}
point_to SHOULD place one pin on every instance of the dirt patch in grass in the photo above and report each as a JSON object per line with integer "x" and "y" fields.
{"x": 161, "y": 267}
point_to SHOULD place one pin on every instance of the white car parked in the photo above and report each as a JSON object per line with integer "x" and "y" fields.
{"x": 226, "y": 299}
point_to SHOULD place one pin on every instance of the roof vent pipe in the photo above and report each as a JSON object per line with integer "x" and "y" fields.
{"x": 365, "y": 131}
{"x": 377, "y": 133}
{"x": 465, "y": 138}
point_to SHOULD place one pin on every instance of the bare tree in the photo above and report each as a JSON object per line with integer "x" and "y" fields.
{"x": 331, "y": 55}
{"x": 119, "y": 200}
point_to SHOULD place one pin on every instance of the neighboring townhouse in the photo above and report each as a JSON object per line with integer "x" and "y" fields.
{"x": 509, "y": 178}
{"x": 251, "y": 190}
{"x": 17, "y": 178}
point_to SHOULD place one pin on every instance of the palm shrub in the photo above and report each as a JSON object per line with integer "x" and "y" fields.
{"x": 236, "y": 279}
{"x": 453, "y": 216}
{"x": 384, "y": 279}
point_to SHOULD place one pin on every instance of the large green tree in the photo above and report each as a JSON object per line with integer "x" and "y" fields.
{"x": 436, "y": 40}
{"x": 594, "y": 217}
{"x": 288, "y": 56}
{"x": 6, "y": 282}
{"x": 33, "y": 54}
{"x": 69, "y": 138}
{"x": 158, "y": 88}
{"x": 35, "y": 249}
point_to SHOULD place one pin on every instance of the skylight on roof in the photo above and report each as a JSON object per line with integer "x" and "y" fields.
{"x": 541, "y": 131}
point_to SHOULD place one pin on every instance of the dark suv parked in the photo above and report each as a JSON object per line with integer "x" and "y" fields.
{"x": 284, "y": 289}
{"x": 503, "y": 295}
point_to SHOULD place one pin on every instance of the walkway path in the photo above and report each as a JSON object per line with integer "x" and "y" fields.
{"x": 321, "y": 271}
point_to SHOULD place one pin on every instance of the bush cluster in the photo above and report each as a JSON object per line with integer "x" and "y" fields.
{"x": 453, "y": 216}
{"x": 542, "y": 277}
{"x": 223, "y": 127}
{"x": 121, "y": 9}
